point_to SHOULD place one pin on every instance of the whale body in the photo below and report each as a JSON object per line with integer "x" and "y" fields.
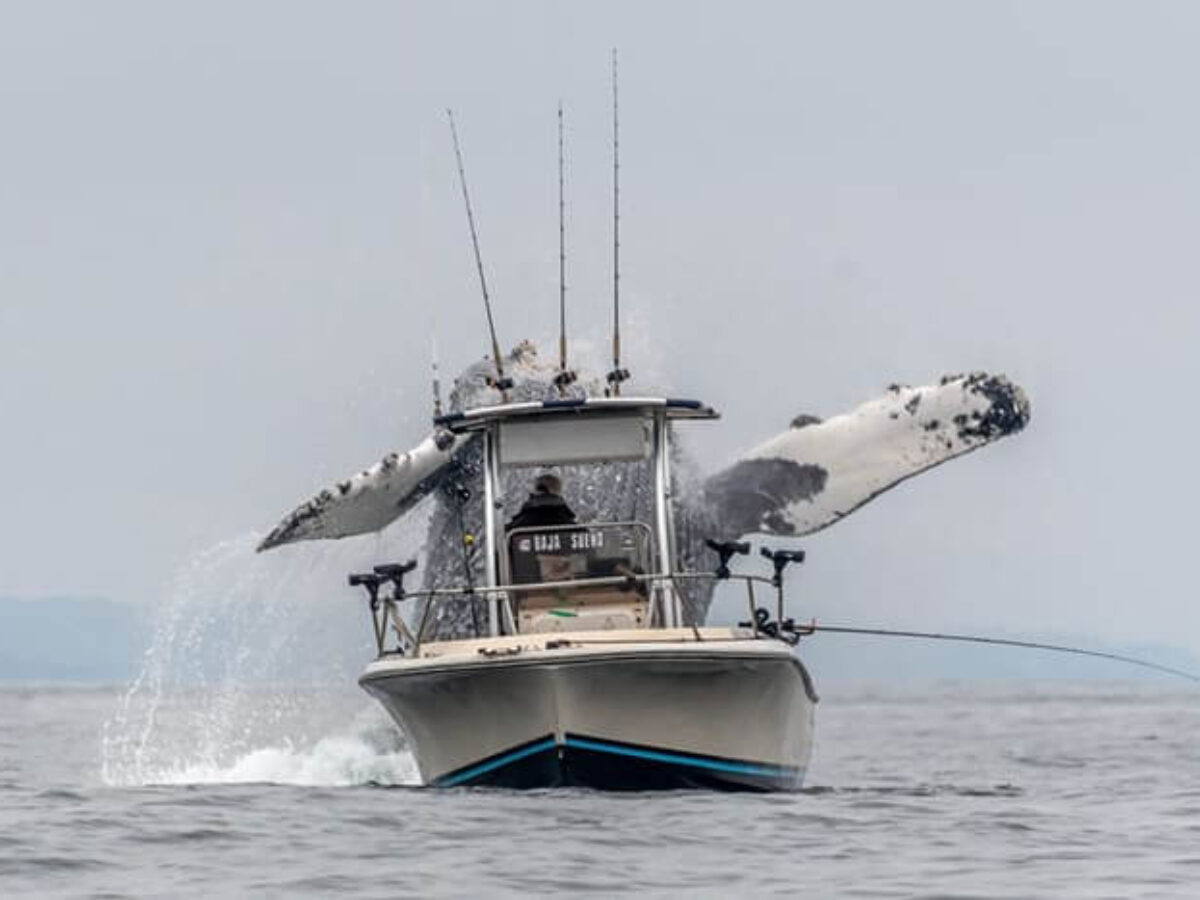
{"x": 798, "y": 482}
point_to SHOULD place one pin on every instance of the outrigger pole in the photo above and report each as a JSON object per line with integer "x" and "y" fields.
{"x": 617, "y": 375}
{"x": 565, "y": 376}
{"x": 500, "y": 382}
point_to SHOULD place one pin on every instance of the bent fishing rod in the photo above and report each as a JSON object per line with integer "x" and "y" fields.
{"x": 791, "y": 631}
{"x": 813, "y": 627}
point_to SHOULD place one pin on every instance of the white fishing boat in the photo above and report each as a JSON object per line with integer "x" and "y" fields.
{"x": 586, "y": 673}
{"x": 577, "y": 653}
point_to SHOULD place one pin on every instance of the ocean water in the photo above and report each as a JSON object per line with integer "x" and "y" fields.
{"x": 966, "y": 789}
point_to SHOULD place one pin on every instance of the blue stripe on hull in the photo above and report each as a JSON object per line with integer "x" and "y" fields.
{"x": 582, "y": 761}
{"x": 480, "y": 770}
{"x": 682, "y": 759}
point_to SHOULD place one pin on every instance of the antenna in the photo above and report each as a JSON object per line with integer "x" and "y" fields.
{"x": 565, "y": 376}
{"x": 500, "y": 383}
{"x": 617, "y": 375}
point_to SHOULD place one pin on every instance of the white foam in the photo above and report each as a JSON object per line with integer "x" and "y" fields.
{"x": 251, "y": 668}
{"x": 339, "y": 760}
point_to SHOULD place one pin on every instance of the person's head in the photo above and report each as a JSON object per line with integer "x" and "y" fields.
{"x": 547, "y": 484}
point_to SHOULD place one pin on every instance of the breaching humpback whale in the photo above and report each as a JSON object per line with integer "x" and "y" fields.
{"x": 798, "y": 482}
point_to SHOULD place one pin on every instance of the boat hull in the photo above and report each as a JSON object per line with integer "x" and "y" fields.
{"x": 733, "y": 715}
{"x": 579, "y": 761}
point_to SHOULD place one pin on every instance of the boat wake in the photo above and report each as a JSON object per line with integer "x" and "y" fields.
{"x": 250, "y": 673}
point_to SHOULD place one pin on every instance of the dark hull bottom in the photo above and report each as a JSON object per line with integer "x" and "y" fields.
{"x": 580, "y": 761}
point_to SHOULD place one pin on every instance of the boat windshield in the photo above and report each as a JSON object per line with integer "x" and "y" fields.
{"x": 571, "y": 552}
{"x": 549, "y": 559}
{"x": 578, "y": 501}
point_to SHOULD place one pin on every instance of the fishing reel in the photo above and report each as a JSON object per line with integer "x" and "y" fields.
{"x": 726, "y": 550}
{"x": 787, "y": 630}
{"x": 616, "y": 376}
{"x": 564, "y": 379}
{"x": 614, "y": 379}
{"x": 502, "y": 384}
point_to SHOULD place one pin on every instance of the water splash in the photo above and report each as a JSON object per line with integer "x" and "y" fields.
{"x": 250, "y": 673}
{"x": 246, "y": 648}
{"x": 371, "y": 751}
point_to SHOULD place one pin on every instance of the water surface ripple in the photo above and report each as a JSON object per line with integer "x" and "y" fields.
{"x": 946, "y": 790}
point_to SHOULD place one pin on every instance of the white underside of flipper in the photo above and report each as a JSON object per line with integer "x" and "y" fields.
{"x": 370, "y": 500}
{"x": 817, "y": 472}
{"x": 376, "y": 497}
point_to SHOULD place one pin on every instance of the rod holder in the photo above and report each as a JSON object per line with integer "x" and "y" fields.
{"x": 394, "y": 573}
{"x": 726, "y": 550}
{"x": 781, "y": 559}
{"x": 371, "y": 582}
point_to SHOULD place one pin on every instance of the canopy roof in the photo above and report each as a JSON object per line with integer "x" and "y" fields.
{"x": 474, "y": 419}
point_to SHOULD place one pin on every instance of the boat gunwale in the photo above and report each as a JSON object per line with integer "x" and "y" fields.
{"x": 385, "y": 669}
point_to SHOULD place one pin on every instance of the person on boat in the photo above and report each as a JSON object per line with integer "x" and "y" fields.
{"x": 545, "y": 507}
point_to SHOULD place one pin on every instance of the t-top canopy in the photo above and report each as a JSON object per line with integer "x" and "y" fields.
{"x": 474, "y": 419}
{"x": 559, "y": 440}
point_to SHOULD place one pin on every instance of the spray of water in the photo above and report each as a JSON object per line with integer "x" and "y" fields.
{"x": 368, "y": 750}
{"x": 251, "y": 668}
{"x": 250, "y": 673}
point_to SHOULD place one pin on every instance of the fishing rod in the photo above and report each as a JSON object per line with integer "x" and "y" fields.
{"x": 791, "y": 631}
{"x": 1003, "y": 642}
{"x": 565, "y": 376}
{"x": 617, "y": 375}
{"x": 500, "y": 382}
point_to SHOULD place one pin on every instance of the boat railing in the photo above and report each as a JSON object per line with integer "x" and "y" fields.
{"x": 387, "y": 617}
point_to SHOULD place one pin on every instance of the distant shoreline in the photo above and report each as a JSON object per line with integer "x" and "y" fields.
{"x": 89, "y": 642}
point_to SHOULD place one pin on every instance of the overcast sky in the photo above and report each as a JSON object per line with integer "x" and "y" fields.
{"x": 227, "y": 231}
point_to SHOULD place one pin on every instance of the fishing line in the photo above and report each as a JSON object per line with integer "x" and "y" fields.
{"x": 1003, "y": 642}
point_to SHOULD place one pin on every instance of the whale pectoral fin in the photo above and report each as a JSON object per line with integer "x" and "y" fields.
{"x": 818, "y": 472}
{"x": 372, "y": 499}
